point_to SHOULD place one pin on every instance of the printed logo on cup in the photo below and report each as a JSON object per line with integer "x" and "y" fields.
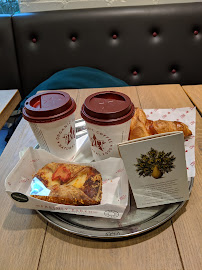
{"x": 69, "y": 136}
{"x": 97, "y": 143}
{"x": 101, "y": 143}
{"x": 64, "y": 137}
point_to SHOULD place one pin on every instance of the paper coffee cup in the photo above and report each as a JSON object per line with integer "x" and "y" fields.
{"x": 51, "y": 117}
{"x": 108, "y": 117}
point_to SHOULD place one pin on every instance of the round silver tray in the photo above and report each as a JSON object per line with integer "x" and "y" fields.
{"x": 134, "y": 221}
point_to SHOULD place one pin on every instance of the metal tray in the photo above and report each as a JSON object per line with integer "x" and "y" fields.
{"x": 134, "y": 222}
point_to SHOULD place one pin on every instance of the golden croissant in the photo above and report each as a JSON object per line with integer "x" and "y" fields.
{"x": 142, "y": 127}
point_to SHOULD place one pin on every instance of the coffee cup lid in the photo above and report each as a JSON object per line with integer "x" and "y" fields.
{"x": 48, "y": 106}
{"x": 107, "y": 108}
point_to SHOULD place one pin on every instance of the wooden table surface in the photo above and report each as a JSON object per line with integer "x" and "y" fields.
{"x": 194, "y": 92}
{"x": 28, "y": 242}
{"x": 9, "y": 99}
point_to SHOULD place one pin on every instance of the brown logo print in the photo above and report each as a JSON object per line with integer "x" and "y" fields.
{"x": 97, "y": 143}
{"x": 69, "y": 136}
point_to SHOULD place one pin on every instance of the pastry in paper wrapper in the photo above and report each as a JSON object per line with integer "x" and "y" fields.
{"x": 108, "y": 195}
{"x": 70, "y": 184}
{"x": 142, "y": 127}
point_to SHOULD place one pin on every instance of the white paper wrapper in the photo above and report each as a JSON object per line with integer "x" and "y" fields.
{"x": 186, "y": 115}
{"x": 114, "y": 188}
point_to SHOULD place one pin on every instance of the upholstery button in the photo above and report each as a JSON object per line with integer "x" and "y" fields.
{"x": 73, "y": 39}
{"x": 196, "y": 32}
{"x": 134, "y": 73}
{"x": 114, "y": 36}
{"x": 173, "y": 71}
{"x": 154, "y": 34}
{"x": 34, "y": 40}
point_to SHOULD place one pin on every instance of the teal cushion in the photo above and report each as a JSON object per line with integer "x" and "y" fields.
{"x": 77, "y": 78}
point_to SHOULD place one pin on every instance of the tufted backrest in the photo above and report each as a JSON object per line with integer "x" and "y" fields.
{"x": 9, "y": 77}
{"x": 140, "y": 45}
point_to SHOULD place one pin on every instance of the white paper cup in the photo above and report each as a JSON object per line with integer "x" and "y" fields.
{"x": 51, "y": 117}
{"x": 108, "y": 116}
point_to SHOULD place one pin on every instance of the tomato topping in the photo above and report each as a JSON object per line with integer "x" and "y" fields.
{"x": 62, "y": 173}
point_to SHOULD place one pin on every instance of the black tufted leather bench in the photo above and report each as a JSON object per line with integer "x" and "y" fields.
{"x": 9, "y": 76}
{"x": 159, "y": 44}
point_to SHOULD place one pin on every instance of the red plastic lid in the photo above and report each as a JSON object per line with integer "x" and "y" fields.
{"x": 48, "y": 106}
{"x": 107, "y": 108}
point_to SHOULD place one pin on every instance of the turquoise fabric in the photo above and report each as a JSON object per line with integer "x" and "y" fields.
{"x": 77, "y": 78}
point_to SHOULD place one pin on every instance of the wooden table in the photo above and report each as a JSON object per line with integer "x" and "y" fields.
{"x": 28, "y": 242}
{"x": 9, "y": 99}
{"x": 194, "y": 92}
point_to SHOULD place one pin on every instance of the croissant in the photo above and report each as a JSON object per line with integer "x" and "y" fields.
{"x": 142, "y": 127}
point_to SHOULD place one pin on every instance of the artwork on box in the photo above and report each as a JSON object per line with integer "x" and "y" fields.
{"x": 155, "y": 163}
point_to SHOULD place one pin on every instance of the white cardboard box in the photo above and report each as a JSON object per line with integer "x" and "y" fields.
{"x": 156, "y": 169}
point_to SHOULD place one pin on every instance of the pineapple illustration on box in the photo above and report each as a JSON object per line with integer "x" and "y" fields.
{"x": 155, "y": 163}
